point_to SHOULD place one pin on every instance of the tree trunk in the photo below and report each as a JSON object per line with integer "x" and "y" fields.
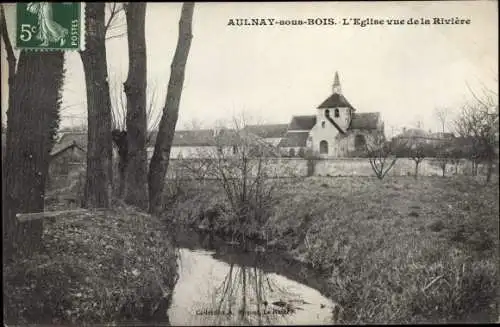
{"x": 135, "y": 90}
{"x": 98, "y": 186}
{"x": 416, "y": 169}
{"x": 159, "y": 162}
{"x": 33, "y": 117}
{"x": 120, "y": 139}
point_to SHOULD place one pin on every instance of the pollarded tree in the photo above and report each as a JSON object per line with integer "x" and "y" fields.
{"x": 119, "y": 132}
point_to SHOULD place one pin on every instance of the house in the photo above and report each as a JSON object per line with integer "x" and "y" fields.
{"x": 207, "y": 143}
{"x": 66, "y": 161}
{"x": 417, "y": 136}
{"x": 336, "y": 130}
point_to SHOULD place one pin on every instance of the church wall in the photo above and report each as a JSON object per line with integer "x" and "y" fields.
{"x": 344, "y": 118}
{"x": 327, "y": 133}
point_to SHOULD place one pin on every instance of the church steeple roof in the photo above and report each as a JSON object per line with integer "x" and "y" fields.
{"x": 336, "y": 100}
{"x": 336, "y": 84}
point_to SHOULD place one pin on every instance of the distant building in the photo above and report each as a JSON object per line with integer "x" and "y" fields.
{"x": 419, "y": 136}
{"x": 206, "y": 143}
{"x": 336, "y": 130}
{"x": 66, "y": 160}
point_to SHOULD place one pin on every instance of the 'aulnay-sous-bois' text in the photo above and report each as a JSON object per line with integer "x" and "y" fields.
{"x": 361, "y": 22}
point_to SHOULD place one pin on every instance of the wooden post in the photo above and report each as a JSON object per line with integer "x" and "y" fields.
{"x": 25, "y": 217}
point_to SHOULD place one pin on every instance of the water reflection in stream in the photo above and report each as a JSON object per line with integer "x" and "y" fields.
{"x": 231, "y": 287}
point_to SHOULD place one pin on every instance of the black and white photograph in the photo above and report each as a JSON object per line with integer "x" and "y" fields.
{"x": 253, "y": 163}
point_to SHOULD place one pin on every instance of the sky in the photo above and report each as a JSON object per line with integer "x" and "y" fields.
{"x": 274, "y": 72}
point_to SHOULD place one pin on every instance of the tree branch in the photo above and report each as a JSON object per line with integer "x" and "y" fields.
{"x": 11, "y": 57}
{"x": 114, "y": 12}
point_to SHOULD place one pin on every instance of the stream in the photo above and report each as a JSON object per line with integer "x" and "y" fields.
{"x": 221, "y": 284}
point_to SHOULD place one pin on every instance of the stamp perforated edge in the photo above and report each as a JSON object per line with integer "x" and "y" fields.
{"x": 83, "y": 23}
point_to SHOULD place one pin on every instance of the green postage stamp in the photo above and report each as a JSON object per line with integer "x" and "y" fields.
{"x": 50, "y": 26}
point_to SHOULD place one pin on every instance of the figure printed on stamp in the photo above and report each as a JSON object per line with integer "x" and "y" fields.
{"x": 48, "y": 29}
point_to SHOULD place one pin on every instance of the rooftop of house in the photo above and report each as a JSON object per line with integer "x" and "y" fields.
{"x": 60, "y": 150}
{"x": 268, "y": 130}
{"x": 67, "y": 139}
{"x": 209, "y": 137}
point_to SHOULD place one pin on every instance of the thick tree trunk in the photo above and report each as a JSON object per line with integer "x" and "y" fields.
{"x": 32, "y": 120}
{"x": 135, "y": 90}
{"x": 159, "y": 161}
{"x": 98, "y": 186}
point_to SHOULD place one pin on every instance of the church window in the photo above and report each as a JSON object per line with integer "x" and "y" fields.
{"x": 327, "y": 113}
{"x": 323, "y": 124}
{"x": 337, "y": 113}
{"x": 323, "y": 147}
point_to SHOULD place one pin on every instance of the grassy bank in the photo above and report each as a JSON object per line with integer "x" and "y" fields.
{"x": 98, "y": 267}
{"x": 395, "y": 251}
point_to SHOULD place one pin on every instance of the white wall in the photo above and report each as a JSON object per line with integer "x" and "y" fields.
{"x": 326, "y": 133}
{"x": 192, "y": 151}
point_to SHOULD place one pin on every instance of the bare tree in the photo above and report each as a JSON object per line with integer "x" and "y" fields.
{"x": 194, "y": 124}
{"x": 380, "y": 155}
{"x": 442, "y": 116}
{"x": 447, "y": 152}
{"x": 115, "y": 26}
{"x": 478, "y": 125}
{"x": 159, "y": 161}
{"x": 98, "y": 187}
{"x": 33, "y": 119}
{"x": 119, "y": 114}
{"x": 135, "y": 91}
{"x": 418, "y": 151}
{"x": 241, "y": 164}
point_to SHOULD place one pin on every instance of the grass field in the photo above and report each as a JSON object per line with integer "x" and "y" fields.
{"x": 394, "y": 251}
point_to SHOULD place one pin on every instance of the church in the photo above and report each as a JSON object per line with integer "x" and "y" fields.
{"x": 335, "y": 130}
